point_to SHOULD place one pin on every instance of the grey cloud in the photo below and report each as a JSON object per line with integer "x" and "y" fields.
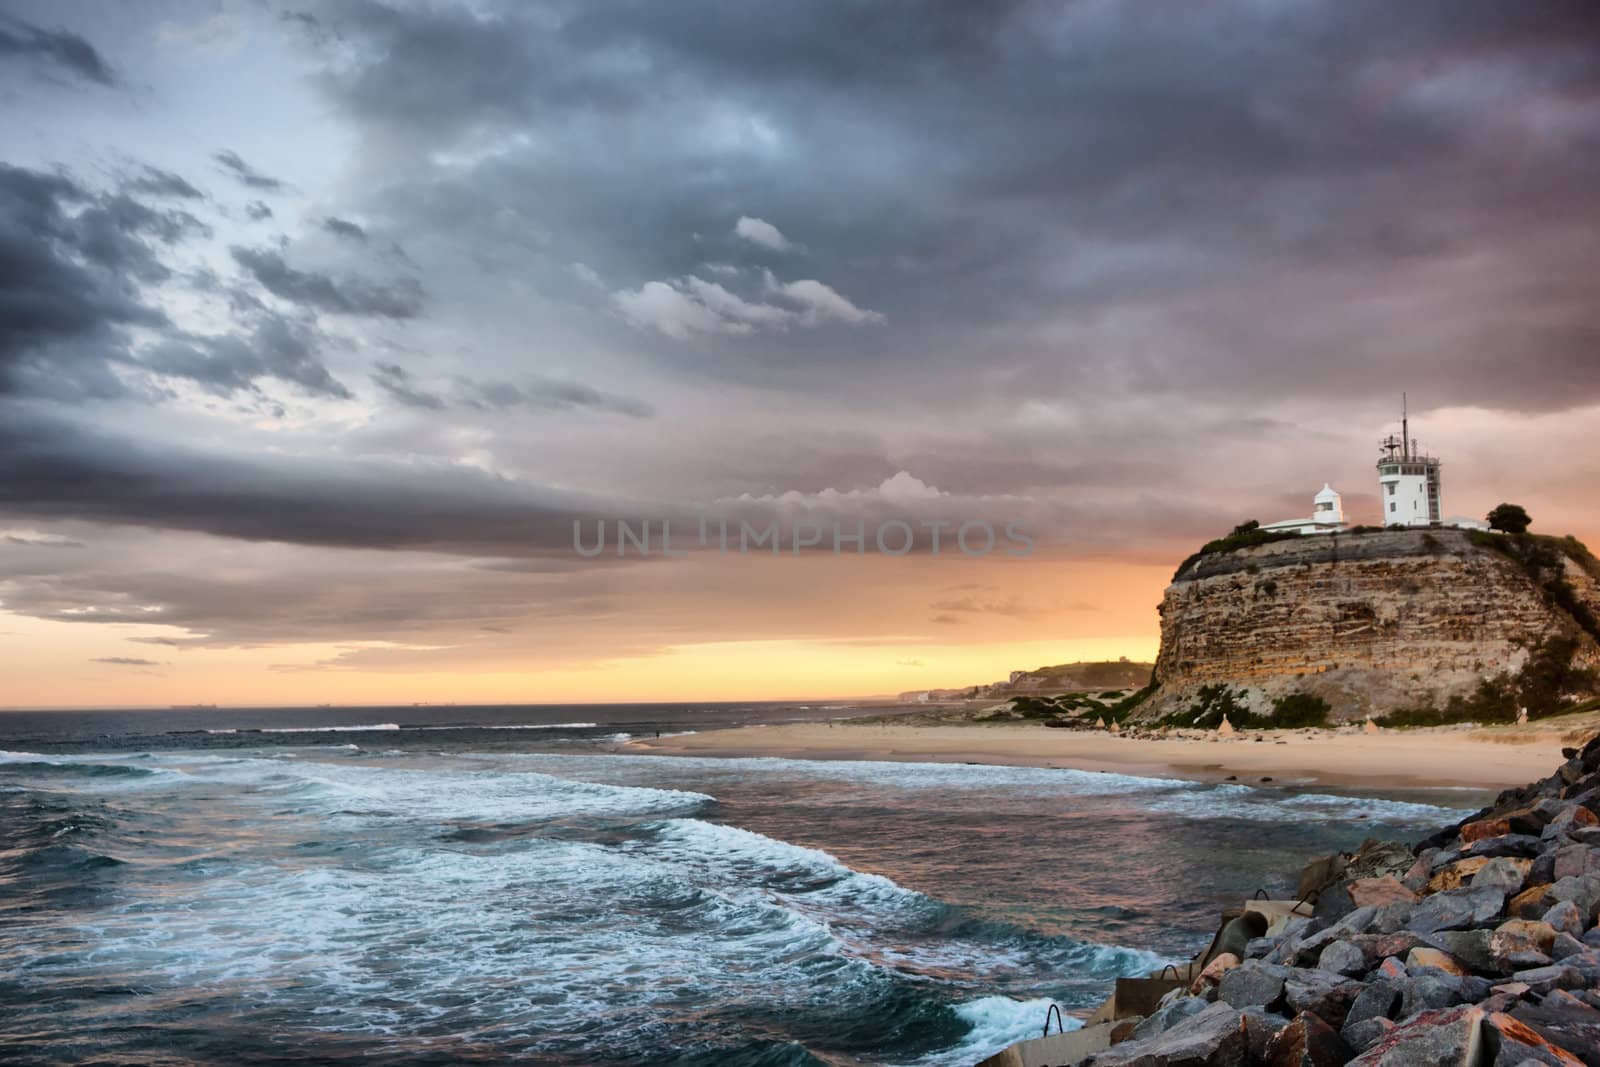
{"x": 154, "y": 181}
{"x": 276, "y": 347}
{"x": 344, "y": 228}
{"x": 234, "y": 165}
{"x": 126, "y": 661}
{"x": 54, "y": 50}
{"x": 54, "y": 469}
{"x": 1072, "y": 179}
{"x": 69, "y": 259}
{"x": 533, "y": 395}
{"x": 257, "y": 211}
{"x": 399, "y": 299}
{"x": 548, "y": 395}
{"x": 394, "y": 380}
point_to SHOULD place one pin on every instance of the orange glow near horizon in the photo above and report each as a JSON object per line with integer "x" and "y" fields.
{"x": 867, "y": 629}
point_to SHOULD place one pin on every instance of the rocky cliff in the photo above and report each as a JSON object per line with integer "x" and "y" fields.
{"x": 1374, "y": 621}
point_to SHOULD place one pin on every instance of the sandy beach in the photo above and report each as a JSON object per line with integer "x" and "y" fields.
{"x": 1489, "y": 758}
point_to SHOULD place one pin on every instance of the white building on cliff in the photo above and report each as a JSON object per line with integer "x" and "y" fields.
{"x": 1327, "y": 515}
{"x": 1408, "y": 492}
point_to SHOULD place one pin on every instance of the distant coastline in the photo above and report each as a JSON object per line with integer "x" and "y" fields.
{"x": 1489, "y": 758}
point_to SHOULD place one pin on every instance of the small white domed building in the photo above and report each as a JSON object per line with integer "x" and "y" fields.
{"x": 1327, "y": 515}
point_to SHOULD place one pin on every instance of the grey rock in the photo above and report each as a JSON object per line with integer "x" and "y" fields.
{"x": 1310, "y": 947}
{"x": 1213, "y": 1038}
{"x": 1499, "y": 874}
{"x": 1471, "y": 947}
{"x": 1325, "y": 995}
{"x": 1260, "y": 1027}
{"x": 1520, "y": 846}
{"x": 1253, "y": 983}
{"x": 1524, "y": 960}
{"x": 1543, "y": 871}
{"x": 1366, "y": 1033}
{"x": 1508, "y": 1042}
{"x": 1575, "y": 861}
{"x": 1343, "y": 958}
{"x": 1378, "y": 1000}
{"x": 1583, "y": 891}
{"x": 1307, "y": 1042}
{"x": 1168, "y": 1016}
{"x": 1259, "y": 947}
{"x": 1587, "y": 963}
{"x": 1565, "y": 1022}
{"x": 1555, "y": 976}
{"x": 1445, "y": 1037}
{"x": 1566, "y": 946}
{"x": 1457, "y": 909}
{"x": 1426, "y": 992}
{"x": 1391, "y": 918}
{"x": 1566, "y": 917}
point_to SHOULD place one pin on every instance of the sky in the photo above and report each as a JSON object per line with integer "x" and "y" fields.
{"x": 322, "y": 326}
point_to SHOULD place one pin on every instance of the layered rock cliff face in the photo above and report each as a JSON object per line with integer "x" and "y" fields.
{"x": 1369, "y": 622}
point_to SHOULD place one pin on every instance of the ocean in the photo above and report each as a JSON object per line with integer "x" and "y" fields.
{"x": 462, "y": 885}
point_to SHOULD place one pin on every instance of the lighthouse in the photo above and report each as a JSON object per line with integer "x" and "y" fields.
{"x": 1408, "y": 479}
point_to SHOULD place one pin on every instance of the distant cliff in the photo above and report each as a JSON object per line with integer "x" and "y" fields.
{"x": 1061, "y": 678}
{"x": 1378, "y": 621}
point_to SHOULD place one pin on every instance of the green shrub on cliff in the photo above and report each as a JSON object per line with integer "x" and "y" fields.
{"x": 1512, "y": 518}
{"x": 1298, "y": 710}
{"x": 1540, "y": 558}
{"x": 1245, "y": 535}
{"x": 1120, "y": 711}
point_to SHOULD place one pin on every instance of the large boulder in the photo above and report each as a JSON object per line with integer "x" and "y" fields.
{"x": 1307, "y": 1042}
{"x": 1213, "y": 1038}
{"x": 1566, "y": 1023}
{"x": 1325, "y": 995}
{"x": 1253, "y": 983}
{"x": 1508, "y": 1042}
{"x": 1457, "y": 909}
{"x": 1448, "y": 1038}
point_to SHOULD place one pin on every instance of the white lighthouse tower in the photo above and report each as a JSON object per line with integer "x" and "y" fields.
{"x": 1408, "y": 480}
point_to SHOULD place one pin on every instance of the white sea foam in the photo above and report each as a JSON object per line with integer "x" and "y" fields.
{"x": 997, "y": 1022}
{"x": 330, "y": 729}
{"x": 347, "y": 790}
{"x": 510, "y": 726}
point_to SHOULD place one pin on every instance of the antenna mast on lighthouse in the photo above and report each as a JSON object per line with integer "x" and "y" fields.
{"x": 1405, "y": 429}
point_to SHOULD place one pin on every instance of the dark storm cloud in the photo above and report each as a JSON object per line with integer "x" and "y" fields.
{"x": 74, "y": 264}
{"x": 69, "y": 261}
{"x": 54, "y": 469}
{"x": 234, "y": 165}
{"x": 344, "y": 228}
{"x": 152, "y": 181}
{"x": 399, "y": 299}
{"x": 1220, "y": 201}
{"x": 276, "y": 347}
{"x": 53, "y": 50}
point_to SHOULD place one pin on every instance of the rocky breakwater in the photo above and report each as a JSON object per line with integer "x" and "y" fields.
{"x": 1377, "y": 621}
{"x": 1477, "y": 947}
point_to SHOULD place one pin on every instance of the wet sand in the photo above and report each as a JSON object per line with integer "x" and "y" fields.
{"x": 1488, "y": 758}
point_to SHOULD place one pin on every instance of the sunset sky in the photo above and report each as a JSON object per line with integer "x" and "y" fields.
{"x": 320, "y": 325}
